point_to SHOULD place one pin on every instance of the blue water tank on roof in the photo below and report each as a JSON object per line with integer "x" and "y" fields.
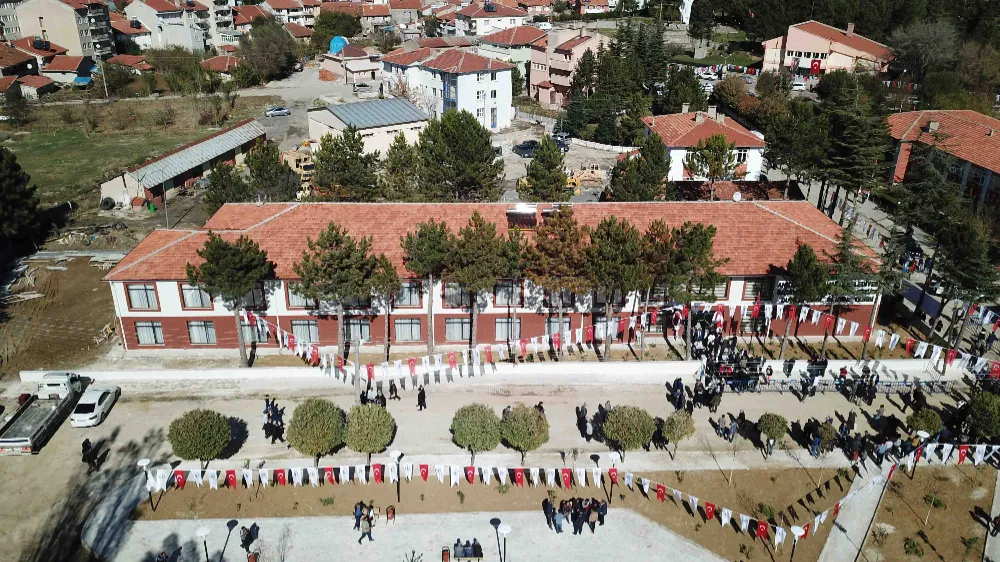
{"x": 337, "y": 44}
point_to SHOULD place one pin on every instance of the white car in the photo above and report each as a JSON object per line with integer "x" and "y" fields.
{"x": 707, "y": 88}
{"x": 706, "y": 75}
{"x": 543, "y": 25}
{"x": 798, "y": 87}
{"x": 94, "y": 406}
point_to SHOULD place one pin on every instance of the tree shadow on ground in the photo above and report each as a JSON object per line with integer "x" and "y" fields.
{"x": 238, "y": 434}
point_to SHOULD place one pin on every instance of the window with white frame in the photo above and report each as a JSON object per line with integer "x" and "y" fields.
{"x": 480, "y": 94}
{"x": 481, "y": 77}
{"x": 195, "y": 297}
{"x": 409, "y": 294}
{"x": 456, "y": 297}
{"x": 149, "y": 333}
{"x": 480, "y": 113}
{"x": 359, "y": 328}
{"x": 295, "y": 300}
{"x": 552, "y": 326}
{"x": 741, "y": 155}
{"x": 507, "y": 329}
{"x": 457, "y": 329}
{"x": 201, "y": 332}
{"x": 508, "y": 292}
{"x": 142, "y": 296}
{"x": 305, "y": 330}
{"x": 407, "y": 329}
{"x": 253, "y": 334}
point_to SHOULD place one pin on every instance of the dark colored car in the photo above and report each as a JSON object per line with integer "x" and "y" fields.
{"x": 526, "y": 149}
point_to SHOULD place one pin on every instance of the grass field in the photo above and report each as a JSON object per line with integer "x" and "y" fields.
{"x": 739, "y": 59}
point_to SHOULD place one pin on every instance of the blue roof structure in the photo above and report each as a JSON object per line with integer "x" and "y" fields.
{"x": 377, "y": 113}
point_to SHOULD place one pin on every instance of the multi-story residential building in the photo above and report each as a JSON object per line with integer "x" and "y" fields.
{"x": 680, "y": 132}
{"x": 970, "y": 138}
{"x": 405, "y": 11}
{"x": 512, "y": 45}
{"x": 553, "y": 62}
{"x": 487, "y": 18}
{"x": 127, "y": 29}
{"x": 83, "y": 27}
{"x": 375, "y": 16}
{"x": 584, "y": 7}
{"x": 536, "y": 8}
{"x": 8, "y": 20}
{"x": 454, "y": 79}
{"x": 156, "y": 306}
{"x": 289, "y": 11}
{"x": 812, "y": 48}
{"x": 244, "y": 16}
{"x": 222, "y": 24}
{"x": 183, "y": 23}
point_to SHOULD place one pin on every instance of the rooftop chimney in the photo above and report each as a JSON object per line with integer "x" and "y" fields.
{"x": 712, "y": 112}
{"x": 991, "y": 133}
{"x": 932, "y": 126}
{"x": 720, "y": 118}
{"x": 850, "y": 30}
{"x": 685, "y": 107}
{"x": 699, "y": 117}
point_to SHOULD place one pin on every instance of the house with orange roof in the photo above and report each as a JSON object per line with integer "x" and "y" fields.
{"x": 73, "y": 71}
{"x": 487, "y": 17}
{"x": 300, "y": 33}
{"x": 812, "y": 49}
{"x": 512, "y": 45}
{"x": 244, "y": 16}
{"x": 289, "y": 11}
{"x": 375, "y": 16}
{"x": 137, "y": 63}
{"x": 129, "y": 29}
{"x": 157, "y": 308}
{"x": 680, "y": 133}
{"x": 405, "y": 11}
{"x": 181, "y": 23}
{"x": 33, "y": 86}
{"x": 42, "y": 50}
{"x": 82, "y": 27}
{"x": 536, "y": 8}
{"x": 584, "y": 7}
{"x": 15, "y": 62}
{"x": 553, "y": 62}
{"x": 972, "y": 139}
{"x": 222, "y": 65}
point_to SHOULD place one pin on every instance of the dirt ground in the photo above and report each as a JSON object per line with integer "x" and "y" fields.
{"x": 783, "y": 491}
{"x": 954, "y": 531}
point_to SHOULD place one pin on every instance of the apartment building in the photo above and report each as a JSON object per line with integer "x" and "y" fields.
{"x": 553, "y": 62}
{"x": 127, "y": 29}
{"x": 182, "y": 23}
{"x": 487, "y": 18}
{"x": 512, "y": 45}
{"x": 289, "y": 11}
{"x": 812, "y": 48}
{"x": 82, "y": 27}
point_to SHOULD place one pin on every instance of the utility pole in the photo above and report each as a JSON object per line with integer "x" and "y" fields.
{"x": 356, "y": 343}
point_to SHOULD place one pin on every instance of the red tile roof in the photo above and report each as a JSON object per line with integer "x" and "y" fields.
{"x": 312, "y": 3}
{"x": 463, "y": 62}
{"x": 544, "y": 84}
{"x": 229, "y": 48}
{"x": 283, "y": 4}
{"x": 408, "y": 58}
{"x": 9, "y": 56}
{"x": 78, "y": 4}
{"x": 514, "y": 36}
{"x": 137, "y": 62}
{"x": 445, "y": 42}
{"x": 192, "y": 6}
{"x": 405, "y": 5}
{"x": 282, "y": 229}
{"x": 568, "y": 45}
{"x": 35, "y": 81}
{"x": 63, "y": 63}
{"x": 724, "y": 190}
{"x": 246, "y": 14}
{"x": 683, "y": 130}
{"x": 298, "y": 31}
{"x": 221, "y": 63}
{"x": 162, "y": 5}
{"x": 26, "y": 44}
{"x": 533, "y": 3}
{"x": 352, "y": 52}
{"x": 124, "y": 27}
{"x": 967, "y": 135}
{"x": 479, "y": 11}
{"x": 349, "y": 8}
{"x": 855, "y": 41}
{"x": 375, "y": 10}
{"x": 6, "y": 82}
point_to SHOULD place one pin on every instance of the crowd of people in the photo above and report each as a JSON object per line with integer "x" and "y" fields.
{"x": 274, "y": 422}
{"x": 468, "y": 550}
{"x": 577, "y": 511}
{"x": 590, "y": 427}
{"x": 364, "y": 520}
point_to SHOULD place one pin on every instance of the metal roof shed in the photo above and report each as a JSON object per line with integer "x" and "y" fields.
{"x": 377, "y": 113}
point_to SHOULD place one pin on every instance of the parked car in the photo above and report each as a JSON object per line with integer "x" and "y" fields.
{"x": 94, "y": 406}
{"x": 562, "y": 143}
{"x": 798, "y": 86}
{"x": 707, "y": 88}
{"x": 277, "y": 111}
{"x": 362, "y": 88}
{"x": 526, "y": 149}
{"x": 543, "y": 25}
{"x": 706, "y": 75}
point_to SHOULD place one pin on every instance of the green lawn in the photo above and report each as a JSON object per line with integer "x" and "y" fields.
{"x": 734, "y": 37}
{"x": 739, "y": 59}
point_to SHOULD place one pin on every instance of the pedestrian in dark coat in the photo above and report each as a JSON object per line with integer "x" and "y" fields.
{"x": 549, "y": 511}
{"x": 421, "y": 399}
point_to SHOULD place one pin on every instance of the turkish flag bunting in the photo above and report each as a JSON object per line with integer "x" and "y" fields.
{"x": 470, "y": 474}
{"x": 231, "y": 479}
{"x": 412, "y": 364}
{"x": 950, "y": 356}
{"x": 916, "y": 458}
{"x": 524, "y": 346}
{"x": 589, "y": 334}
{"x": 827, "y": 321}
{"x": 909, "y": 345}
{"x": 963, "y": 451}
{"x": 652, "y": 317}
{"x": 867, "y": 334}
{"x": 328, "y": 473}
{"x": 755, "y": 311}
{"x": 371, "y": 370}
{"x": 557, "y": 341}
{"x": 489, "y": 354}
{"x": 567, "y": 477}
{"x": 996, "y": 325}
{"x": 251, "y": 319}
{"x": 709, "y": 510}
{"x": 179, "y": 479}
{"x": 995, "y": 370}
{"x": 661, "y": 492}
{"x": 892, "y": 469}
{"x": 685, "y": 311}
{"x": 519, "y": 476}
{"x": 836, "y": 509}
{"x": 451, "y": 359}
{"x": 791, "y": 312}
{"x": 972, "y": 309}
{"x": 291, "y": 341}
{"x": 622, "y": 325}
{"x": 613, "y": 474}
{"x": 314, "y": 356}
{"x": 340, "y": 362}
{"x": 423, "y": 472}
{"x": 806, "y": 529}
{"x": 377, "y": 473}
{"x": 281, "y": 476}
{"x": 761, "y": 529}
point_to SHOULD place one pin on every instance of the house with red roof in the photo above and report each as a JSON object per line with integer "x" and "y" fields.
{"x": 487, "y": 17}
{"x": 137, "y": 63}
{"x": 222, "y": 65}
{"x": 536, "y": 7}
{"x": 82, "y": 27}
{"x": 405, "y": 11}
{"x": 584, "y": 7}
{"x": 971, "y": 138}
{"x": 289, "y": 11}
{"x": 553, "y": 61}
{"x": 512, "y": 45}
{"x": 157, "y": 308}
{"x": 33, "y": 86}
{"x": 680, "y": 133}
{"x": 812, "y": 49}
{"x": 244, "y": 16}
{"x": 182, "y": 23}
{"x": 300, "y": 33}
{"x": 15, "y": 62}
{"x": 72, "y": 71}
{"x": 375, "y": 16}
{"x": 129, "y": 29}
{"x": 42, "y": 50}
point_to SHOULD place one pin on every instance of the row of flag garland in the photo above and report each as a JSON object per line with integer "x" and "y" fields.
{"x": 566, "y": 478}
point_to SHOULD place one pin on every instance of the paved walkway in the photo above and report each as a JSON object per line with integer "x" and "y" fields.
{"x": 992, "y": 553}
{"x": 852, "y": 524}
{"x": 625, "y": 536}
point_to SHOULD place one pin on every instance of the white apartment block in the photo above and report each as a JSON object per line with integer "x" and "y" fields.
{"x": 83, "y": 27}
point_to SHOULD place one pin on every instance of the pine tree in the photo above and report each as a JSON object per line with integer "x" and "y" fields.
{"x": 641, "y": 178}
{"x": 18, "y": 202}
{"x": 516, "y": 81}
{"x": 848, "y": 266}
{"x": 270, "y": 178}
{"x": 343, "y": 170}
{"x": 399, "y": 178}
{"x": 385, "y": 282}
{"x": 607, "y": 125}
{"x": 336, "y": 268}
{"x": 226, "y": 185}
{"x": 967, "y": 269}
{"x": 692, "y": 270}
{"x": 682, "y": 87}
{"x": 584, "y": 74}
{"x": 230, "y": 271}
{"x": 476, "y": 263}
{"x": 714, "y": 159}
{"x": 15, "y": 107}
{"x": 889, "y": 279}
{"x": 575, "y": 121}
{"x": 427, "y": 255}
{"x": 546, "y": 179}
{"x": 613, "y": 263}
{"x": 658, "y": 248}
{"x": 457, "y": 161}
{"x": 806, "y": 283}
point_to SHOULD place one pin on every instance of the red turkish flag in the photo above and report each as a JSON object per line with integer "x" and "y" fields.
{"x": 489, "y": 354}
{"x": 613, "y": 474}
{"x": 791, "y": 312}
{"x": 423, "y": 472}
{"x": 377, "y": 473}
{"x": 340, "y": 362}
{"x": 920, "y": 451}
{"x": 652, "y": 317}
{"x": 251, "y": 319}
{"x": 950, "y": 356}
{"x": 524, "y": 346}
{"x": 412, "y": 364}
{"x": 995, "y": 370}
{"x": 231, "y": 479}
{"x": 963, "y": 451}
{"x": 762, "y": 528}
{"x": 519, "y": 476}
{"x": 589, "y": 334}
{"x": 755, "y": 310}
{"x": 814, "y": 66}
{"x": 179, "y": 479}
{"x": 451, "y": 359}
{"x": 314, "y": 356}
{"x": 709, "y": 510}
{"x": 684, "y": 311}
{"x": 836, "y": 509}
{"x": 827, "y": 321}
{"x": 622, "y": 325}
{"x": 557, "y": 341}
{"x": 996, "y": 325}
{"x": 909, "y": 345}
{"x": 567, "y": 477}
{"x": 972, "y": 309}
{"x": 892, "y": 469}
{"x": 291, "y": 341}
{"x": 806, "y": 529}
{"x": 867, "y": 334}
{"x": 470, "y": 474}
{"x": 371, "y": 370}
{"x": 281, "y": 476}
{"x": 661, "y": 492}
{"x": 328, "y": 473}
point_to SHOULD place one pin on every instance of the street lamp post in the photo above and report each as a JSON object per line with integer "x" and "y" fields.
{"x": 202, "y": 533}
{"x": 504, "y": 530}
{"x": 144, "y": 465}
{"x": 396, "y": 455}
{"x": 496, "y": 527}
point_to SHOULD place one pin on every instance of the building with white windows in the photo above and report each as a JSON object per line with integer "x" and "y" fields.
{"x": 812, "y": 48}
{"x": 82, "y": 27}
{"x": 487, "y": 18}
{"x": 183, "y": 23}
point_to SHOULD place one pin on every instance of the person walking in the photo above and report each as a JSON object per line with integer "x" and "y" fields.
{"x": 592, "y": 519}
{"x": 366, "y": 529}
{"x": 547, "y": 509}
{"x": 89, "y": 456}
{"x": 393, "y": 391}
{"x": 421, "y": 399}
{"x": 996, "y": 526}
{"x": 557, "y": 520}
{"x": 602, "y": 512}
{"x": 359, "y": 510}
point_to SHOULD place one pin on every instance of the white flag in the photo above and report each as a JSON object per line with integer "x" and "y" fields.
{"x": 579, "y": 336}
{"x": 581, "y": 477}
{"x": 361, "y": 473}
{"x": 408, "y": 471}
{"x": 195, "y": 475}
{"x": 550, "y": 477}
{"x": 816, "y": 522}
{"x": 780, "y": 312}
{"x": 732, "y": 310}
{"x": 486, "y": 474}
{"x": 501, "y": 352}
{"x": 779, "y": 535}
{"x": 854, "y": 328}
{"x": 475, "y": 357}
{"x": 297, "y": 476}
{"x": 921, "y": 349}
{"x": 645, "y": 485}
{"x": 322, "y": 361}
{"x": 262, "y": 475}
{"x": 879, "y": 338}
{"x": 840, "y": 325}
{"x": 213, "y": 479}
{"x": 439, "y": 471}
{"x": 248, "y": 477}
{"x": 425, "y": 362}
{"x": 628, "y": 480}
{"x": 815, "y": 317}
{"x": 345, "y": 475}
{"x": 893, "y": 340}
{"x": 456, "y": 475}
{"x": 802, "y": 313}
{"x": 399, "y": 368}
{"x": 677, "y": 494}
{"x": 946, "y": 452}
{"x": 534, "y": 477}
{"x": 385, "y": 369}
{"x": 727, "y": 516}
{"x": 744, "y": 521}
{"x": 393, "y": 471}
{"x": 979, "y": 454}
{"x": 930, "y": 449}
{"x": 822, "y": 516}
{"x": 935, "y": 353}
{"x": 631, "y": 322}
{"x": 162, "y": 477}
{"x": 595, "y": 473}
{"x": 768, "y": 309}
{"x": 502, "y": 474}
{"x": 313, "y": 475}
{"x": 694, "y": 503}
{"x": 534, "y": 345}
{"x": 437, "y": 362}
{"x": 465, "y": 357}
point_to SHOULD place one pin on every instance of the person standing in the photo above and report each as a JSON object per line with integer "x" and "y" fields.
{"x": 557, "y": 520}
{"x": 359, "y": 510}
{"x": 366, "y": 530}
{"x": 602, "y": 512}
{"x": 421, "y": 399}
{"x": 592, "y": 518}
{"x": 393, "y": 391}
{"x": 996, "y": 526}
{"x": 88, "y": 454}
{"x": 547, "y": 509}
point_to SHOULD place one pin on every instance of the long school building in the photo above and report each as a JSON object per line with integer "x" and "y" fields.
{"x": 157, "y": 308}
